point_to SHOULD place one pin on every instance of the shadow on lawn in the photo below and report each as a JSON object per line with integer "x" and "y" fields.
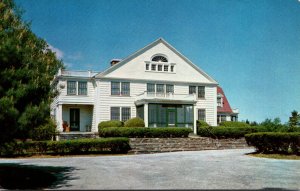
{"x": 17, "y": 176}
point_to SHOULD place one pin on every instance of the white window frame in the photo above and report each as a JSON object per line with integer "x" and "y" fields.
{"x": 77, "y": 88}
{"x": 120, "y": 88}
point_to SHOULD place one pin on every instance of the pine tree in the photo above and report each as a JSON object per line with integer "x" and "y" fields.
{"x": 27, "y": 66}
{"x": 294, "y": 120}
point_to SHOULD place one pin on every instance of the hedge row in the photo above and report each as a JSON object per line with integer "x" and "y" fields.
{"x": 144, "y": 132}
{"x": 227, "y": 132}
{"x": 234, "y": 124}
{"x": 133, "y": 122}
{"x": 77, "y": 146}
{"x": 271, "y": 142}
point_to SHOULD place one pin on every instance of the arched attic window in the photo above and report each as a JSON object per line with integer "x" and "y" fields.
{"x": 159, "y": 59}
{"x": 159, "y": 63}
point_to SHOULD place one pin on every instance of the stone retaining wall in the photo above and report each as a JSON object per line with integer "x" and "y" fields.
{"x": 156, "y": 145}
{"x": 76, "y": 135}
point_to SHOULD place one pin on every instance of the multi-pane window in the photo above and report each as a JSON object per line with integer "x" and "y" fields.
{"x": 115, "y": 88}
{"x": 169, "y": 88}
{"x": 201, "y": 114}
{"x": 125, "y": 88}
{"x": 82, "y": 88}
{"x": 160, "y": 64}
{"x": 223, "y": 118}
{"x": 159, "y": 67}
{"x": 150, "y": 88}
{"x": 125, "y": 113}
{"x": 71, "y": 88}
{"x": 115, "y": 113}
{"x": 219, "y": 102}
{"x": 192, "y": 89}
{"x": 189, "y": 117}
{"x": 166, "y": 68}
{"x": 201, "y": 91}
{"x": 120, "y": 88}
{"x": 172, "y": 68}
{"x": 160, "y": 88}
{"x": 153, "y": 67}
{"x": 120, "y": 113}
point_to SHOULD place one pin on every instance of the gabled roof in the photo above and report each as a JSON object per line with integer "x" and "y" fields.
{"x": 160, "y": 40}
{"x": 226, "y": 106}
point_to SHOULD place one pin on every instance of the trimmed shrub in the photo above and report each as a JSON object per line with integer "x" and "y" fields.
{"x": 45, "y": 132}
{"x": 135, "y": 122}
{"x": 275, "y": 142}
{"x": 227, "y": 132}
{"x": 201, "y": 123}
{"x": 78, "y": 146}
{"x": 112, "y": 123}
{"x": 145, "y": 132}
{"x": 234, "y": 124}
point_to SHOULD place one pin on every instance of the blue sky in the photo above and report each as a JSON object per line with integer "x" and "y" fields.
{"x": 251, "y": 47}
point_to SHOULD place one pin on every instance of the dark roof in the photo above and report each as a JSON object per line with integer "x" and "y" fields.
{"x": 226, "y": 106}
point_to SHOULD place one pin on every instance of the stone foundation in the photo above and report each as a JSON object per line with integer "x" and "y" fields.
{"x": 157, "y": 145}
{"x": 76, "y": 135}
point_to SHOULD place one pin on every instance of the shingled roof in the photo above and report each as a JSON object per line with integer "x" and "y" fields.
{"x": 226, "y": 106}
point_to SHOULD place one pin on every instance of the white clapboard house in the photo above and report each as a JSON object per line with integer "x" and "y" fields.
{"x": 156, "y": 83}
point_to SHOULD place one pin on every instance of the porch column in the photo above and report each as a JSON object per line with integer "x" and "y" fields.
{"x": 60, "y": 118}
{"x": 195, "y": 120}
{"x": 146, "y": 114}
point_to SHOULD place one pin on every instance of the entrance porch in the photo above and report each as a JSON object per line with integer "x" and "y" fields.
{"x": 76, "y": 118}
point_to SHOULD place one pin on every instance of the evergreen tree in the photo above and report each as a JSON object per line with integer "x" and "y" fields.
{"x": 27, "y": 66}
{"x": 294, "y": 120}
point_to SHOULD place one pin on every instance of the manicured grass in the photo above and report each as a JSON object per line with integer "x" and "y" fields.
{"x": 276, "y": 156}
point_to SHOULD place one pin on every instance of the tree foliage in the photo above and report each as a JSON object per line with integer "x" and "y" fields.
{"x": 294, "y": 120}
{"x": 27, "y": 66}
{"x": 274, "y": 125}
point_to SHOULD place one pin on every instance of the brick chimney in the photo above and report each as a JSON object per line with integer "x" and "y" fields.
{"x": 114, "y": 61}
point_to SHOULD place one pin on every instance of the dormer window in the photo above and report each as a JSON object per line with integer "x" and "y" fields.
{"x": 220, "y": 100}
{"x": 160, "y": 63}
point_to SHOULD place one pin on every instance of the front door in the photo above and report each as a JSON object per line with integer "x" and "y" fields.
{"x": 74, "y": 119}
{"x": 171, "y": 117}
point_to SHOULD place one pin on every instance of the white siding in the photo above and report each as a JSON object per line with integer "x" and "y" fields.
{"x": 135, "y": 68}
{"x": 209, "y": 104}
{"x": 106, "y": 100}
{"x": 79, "y": 99}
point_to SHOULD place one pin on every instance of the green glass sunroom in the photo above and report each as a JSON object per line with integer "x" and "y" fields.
{"x": 167, "y": 115}
{"x": 167, "y": 110}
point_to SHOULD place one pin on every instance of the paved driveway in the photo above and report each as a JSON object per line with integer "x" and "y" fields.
{"x": 222, "y": 169}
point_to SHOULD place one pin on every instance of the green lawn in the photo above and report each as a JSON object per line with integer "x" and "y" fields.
{"x": 276, "y": 156}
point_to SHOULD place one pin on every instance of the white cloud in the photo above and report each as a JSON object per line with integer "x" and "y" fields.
{"x": 59, "y": 53}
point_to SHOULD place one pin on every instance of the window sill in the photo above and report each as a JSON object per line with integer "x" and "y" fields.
{"x": 77, "y": 95}
{"x": 160, "y": 72}
{"x": 120, "y": 95}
